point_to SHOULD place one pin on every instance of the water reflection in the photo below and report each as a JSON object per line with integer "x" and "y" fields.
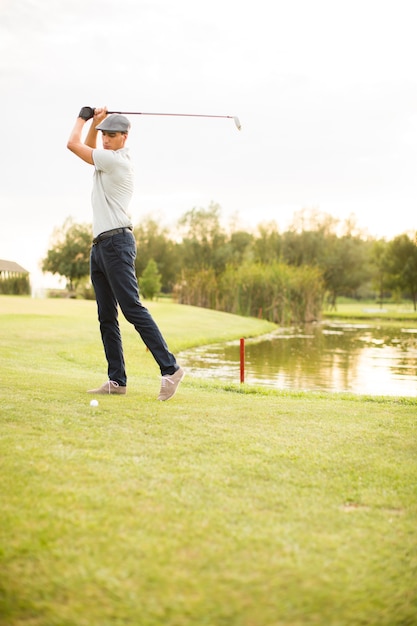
{"x": 358, "y": 358}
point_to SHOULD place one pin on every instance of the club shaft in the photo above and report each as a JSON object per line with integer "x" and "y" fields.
{"x": 170, "y": 114}
{"x": 232, "y": 117}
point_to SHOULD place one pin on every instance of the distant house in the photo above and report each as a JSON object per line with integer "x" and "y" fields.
{"x": 10, "y": 269}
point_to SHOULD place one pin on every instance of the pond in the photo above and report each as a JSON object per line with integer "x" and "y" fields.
{"x": 337, "y": 357}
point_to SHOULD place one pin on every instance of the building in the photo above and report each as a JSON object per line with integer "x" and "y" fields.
{"x": 10, "y": 269}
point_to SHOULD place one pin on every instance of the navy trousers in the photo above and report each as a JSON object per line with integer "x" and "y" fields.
{"x": 112, "y": 267}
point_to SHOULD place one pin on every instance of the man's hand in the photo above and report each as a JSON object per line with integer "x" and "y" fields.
{"x": 86, "y": 113}
{"x": 99, "y": 115}
{"x": 84, "y": 150}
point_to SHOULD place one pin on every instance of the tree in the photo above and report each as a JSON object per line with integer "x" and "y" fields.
{"x": 344, "y": 265}
{"x": 379, "y": 261}
{"x": 267, "y": 245}
{"x": 304, "y": 248}
{"x": 153, "y": 242}
{"x": 402, "y": 265}
{"x": 240, "y": 246}
{"x": 204, "y": 239}
{"x": 69, "y": 255}
{"x": 150, "y": 281}
{"x": 306, "y": 240}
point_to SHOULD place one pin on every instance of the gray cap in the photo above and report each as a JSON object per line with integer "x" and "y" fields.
{"x": 115, "y": 123}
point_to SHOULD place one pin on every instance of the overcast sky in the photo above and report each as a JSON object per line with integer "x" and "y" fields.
{"x": 326, "y": 92}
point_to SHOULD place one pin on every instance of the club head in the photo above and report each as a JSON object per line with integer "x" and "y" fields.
{"x": 238, "y": 125}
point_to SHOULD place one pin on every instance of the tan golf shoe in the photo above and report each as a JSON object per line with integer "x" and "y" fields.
{"x": 109, "y": 387}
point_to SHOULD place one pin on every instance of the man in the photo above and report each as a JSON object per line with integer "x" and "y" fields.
{"x": 112, "y": 260}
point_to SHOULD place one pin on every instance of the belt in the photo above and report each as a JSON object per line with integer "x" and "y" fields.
{"x": 110, "y": 233}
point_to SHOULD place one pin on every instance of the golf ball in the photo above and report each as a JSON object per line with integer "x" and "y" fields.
{"x": 94, "y": 403}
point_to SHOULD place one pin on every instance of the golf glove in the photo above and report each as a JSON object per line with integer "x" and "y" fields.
{"x": 86, "y": 113}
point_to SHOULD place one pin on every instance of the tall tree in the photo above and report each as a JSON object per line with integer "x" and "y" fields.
{"x": 402, "y": 265}
{"x": 267, "y": 243}
{"x": 379, "y": 262}
{"x": 150, "y": 281}
{"x": 154, "y": 242}
{"x": 344, "y": 265}
{"x": 203, "y": 239}
{"x": 69, "y": 255}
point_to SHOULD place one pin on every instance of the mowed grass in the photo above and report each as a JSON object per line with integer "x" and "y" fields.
{"x": 226, "y": 506}
{"x": 363, "y": 311}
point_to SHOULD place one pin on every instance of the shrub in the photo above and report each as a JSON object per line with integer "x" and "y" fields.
{"x": 15, "y": 285}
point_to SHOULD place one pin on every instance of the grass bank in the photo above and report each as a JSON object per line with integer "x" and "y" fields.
{"x": 356, "y": 310}
{"x": 226, "y": 506}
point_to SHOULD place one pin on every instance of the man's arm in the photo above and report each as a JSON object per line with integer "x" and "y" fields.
{"x": 84, "y": 150}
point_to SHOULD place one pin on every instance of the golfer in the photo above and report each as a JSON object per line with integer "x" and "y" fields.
{"x": 113, "y": 253}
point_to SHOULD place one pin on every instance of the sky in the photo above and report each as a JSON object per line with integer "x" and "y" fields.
{"x": 325, "y": 90}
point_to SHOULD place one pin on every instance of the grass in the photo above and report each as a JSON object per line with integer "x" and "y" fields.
{"x": 227, "y": 506}
{"x": 389, "y": 312}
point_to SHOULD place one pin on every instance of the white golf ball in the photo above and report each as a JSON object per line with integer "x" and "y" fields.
{"x": 94, "y": 403}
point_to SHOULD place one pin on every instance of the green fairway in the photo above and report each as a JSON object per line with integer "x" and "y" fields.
{"x": 226, "y": 506}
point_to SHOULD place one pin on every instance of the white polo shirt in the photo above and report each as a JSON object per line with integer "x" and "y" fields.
{"x": 112, "y": 190}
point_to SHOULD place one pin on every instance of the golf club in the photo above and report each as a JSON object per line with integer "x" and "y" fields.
{"x": 232, "y": 117}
